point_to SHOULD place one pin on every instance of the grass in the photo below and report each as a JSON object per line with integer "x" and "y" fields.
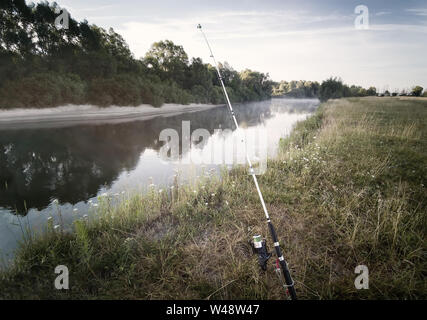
{"x": 347, "y": 188}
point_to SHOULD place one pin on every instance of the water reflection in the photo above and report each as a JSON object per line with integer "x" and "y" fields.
{"x": 72, "y": 164}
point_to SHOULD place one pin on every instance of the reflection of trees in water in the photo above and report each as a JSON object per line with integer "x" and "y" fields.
{"x": 71, "y": 164}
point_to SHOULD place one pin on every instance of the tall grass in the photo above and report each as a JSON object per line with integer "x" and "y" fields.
{"x": 347, "y": 188}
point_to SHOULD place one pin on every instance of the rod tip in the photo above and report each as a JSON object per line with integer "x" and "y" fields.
{"x": 199, "y": 26}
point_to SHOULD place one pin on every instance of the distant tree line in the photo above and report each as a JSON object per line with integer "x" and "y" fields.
{"x": 332, "y": 88}
{"x": 296, "y": 89}
{"x": 416, "y": 91}
{"x": 45, "y": 66}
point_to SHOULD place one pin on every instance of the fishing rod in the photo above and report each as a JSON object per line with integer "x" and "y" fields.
{"x": 259, "y": 244}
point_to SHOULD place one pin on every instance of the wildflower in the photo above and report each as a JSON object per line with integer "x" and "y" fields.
{"x": 49, "y": 219}
{"x": 161, "y": 190}
{"x": 85, "y": 216}
{"x": 75, "y": 210}
{"x": 213, "y": 194}
{"x": 55, "y": 201}
{"x": 56, "y": 227}
{"x": 104, "y": 194}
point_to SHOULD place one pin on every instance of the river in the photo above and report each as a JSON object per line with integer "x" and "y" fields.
{"x": 60, "y": 172}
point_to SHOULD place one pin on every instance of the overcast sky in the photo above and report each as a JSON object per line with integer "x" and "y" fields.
{"x": 291, "y": 40}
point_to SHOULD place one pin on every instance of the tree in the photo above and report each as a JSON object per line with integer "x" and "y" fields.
{"x": 372, "y": 91}
{"x": 331, "y": 88}
{"x": 168, "y": 60}
{"x": 416, "y": 91}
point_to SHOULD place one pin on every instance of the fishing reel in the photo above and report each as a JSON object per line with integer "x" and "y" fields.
{"x": 259, "y": 247}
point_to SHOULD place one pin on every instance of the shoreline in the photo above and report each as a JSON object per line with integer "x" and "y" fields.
{"x": 72, "y": 115}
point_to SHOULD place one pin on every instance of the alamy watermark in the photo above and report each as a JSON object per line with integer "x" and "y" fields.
{"x": 362, "y": 280}
{"x": 362, "y": 20}
{"x": 224, "y": 147}
{"x": 62, "y": 280}
{"x": 62, "y": 21}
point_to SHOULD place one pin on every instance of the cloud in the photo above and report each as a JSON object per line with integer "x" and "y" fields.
{"x": 230, "y": 25}
{"x": 418, "y": 11}
{"x": 383, "y": 13}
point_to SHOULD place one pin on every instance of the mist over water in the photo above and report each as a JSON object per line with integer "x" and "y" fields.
{"x": 47, "y": 171}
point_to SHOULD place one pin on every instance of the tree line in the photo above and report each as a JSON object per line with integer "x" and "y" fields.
{"x": 46, "y": 66}
{"x": 334, "y": 88}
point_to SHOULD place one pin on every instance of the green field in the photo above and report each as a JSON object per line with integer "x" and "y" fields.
{"x": 348, "y": 188}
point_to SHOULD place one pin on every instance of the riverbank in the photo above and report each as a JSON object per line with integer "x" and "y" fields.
{"x": 347, "y": 188}
{"x": 83, "y": 114}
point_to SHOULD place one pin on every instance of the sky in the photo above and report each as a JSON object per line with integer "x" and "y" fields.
{"x": 290, "y": 40}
